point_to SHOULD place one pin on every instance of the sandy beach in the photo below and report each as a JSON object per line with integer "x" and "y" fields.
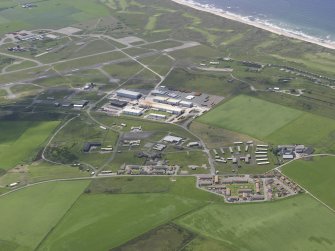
{"x": 273, "y": 29}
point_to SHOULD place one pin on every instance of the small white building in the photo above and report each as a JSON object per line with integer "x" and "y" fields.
{"x": 193, "y": 144}
{"x": 186, "y": 104}
{"x": 172, "y": 139}
{"x": 190, "y": 97}
{"x": 288, "y": 156}
{"x": 156, "y": 116}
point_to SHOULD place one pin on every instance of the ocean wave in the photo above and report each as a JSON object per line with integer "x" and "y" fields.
{"x": 262, "y": 20}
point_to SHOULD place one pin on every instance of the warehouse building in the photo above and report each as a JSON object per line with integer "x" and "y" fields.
{"x": 160, "y": 100}
{"x": 128, "y": 94}
{"x": 156, "y": 116}
{"x": 173, "y": 101}
{"x": 132, "y": 111}
{"x": 162, "y": 107}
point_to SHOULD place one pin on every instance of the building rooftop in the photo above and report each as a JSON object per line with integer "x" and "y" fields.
{"x": 170, "y": 138}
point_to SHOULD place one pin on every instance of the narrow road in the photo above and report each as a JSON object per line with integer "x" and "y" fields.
{"x": 51, "y": 139}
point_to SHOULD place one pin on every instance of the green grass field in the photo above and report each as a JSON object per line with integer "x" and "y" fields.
{"x": 250, "y": 116}
{"x": 28, "y": 215}
{"x": 104, "y": 221}
{"x": 20, "y": 140}
{"x": 49, "y": 14}
{"x": 299, "y": 223}
{"x": 316, "y": 175}
{"x": 308, "y": 129}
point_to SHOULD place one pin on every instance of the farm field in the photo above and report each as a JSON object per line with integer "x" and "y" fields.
{"x": 96, "y": 217}
{"x": 307, "y": 130}
{"x": 316, "y": 175}
{"x": 20, "y": 140}
{"x": 40, "y": 171}
{"x": 33, "y": 212}
{"x": 250, "y": 116}
{"x": 301, "y": 221}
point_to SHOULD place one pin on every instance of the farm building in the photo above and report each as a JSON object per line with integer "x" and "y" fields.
{"x": 299, "y": 148}
{"x": 128, "y": 94}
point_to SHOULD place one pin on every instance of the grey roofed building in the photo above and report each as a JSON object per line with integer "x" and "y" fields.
{"x": 128, "y": 94}
{"x": 172, "y": 139}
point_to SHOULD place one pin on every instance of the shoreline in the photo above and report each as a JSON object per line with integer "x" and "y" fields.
{"x": 257, "y": 24}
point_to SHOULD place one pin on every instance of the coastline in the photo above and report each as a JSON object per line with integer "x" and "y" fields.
{"x": 257, "y": 24}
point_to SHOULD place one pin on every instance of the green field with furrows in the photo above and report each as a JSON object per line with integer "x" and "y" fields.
{"x": 315, "y": 175}
{"x": 19, "y": 140}
{"x": 299, "y": 223}
{"x": 250, "y": 116}
{"x": 28, "y": 215}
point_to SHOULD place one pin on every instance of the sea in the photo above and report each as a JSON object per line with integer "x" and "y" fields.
{"x": 311, "y": 18}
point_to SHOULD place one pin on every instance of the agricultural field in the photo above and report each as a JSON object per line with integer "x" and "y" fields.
{"x": 315, "y": 175}
{"x": 269, "y": 122}
{"x": 301, "y": 221}
{"x": 306, "y": 130}
{"x": 94, "y": 218}
{"x": 216, "y": 137}
{"x": 250, "y": 116}
{"x": 20, "y": 140}
{"x": 44, "y": 205}
{"x": 39, "y": 171}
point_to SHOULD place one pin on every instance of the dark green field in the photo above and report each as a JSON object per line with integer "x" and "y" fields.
{"x": 21, "y": 139}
